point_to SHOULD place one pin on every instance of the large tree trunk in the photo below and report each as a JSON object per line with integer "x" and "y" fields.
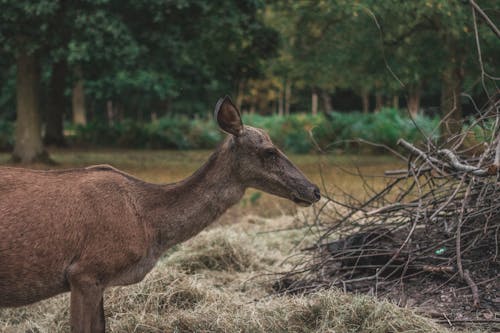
{"x": 314, "y": 102}
{"x": 451, "y": 88}
{"x": 327, "y": 101}
{"x": 54, "y": 118}
{"x": 414, "y": 99}
{"x": 28, "y": 147}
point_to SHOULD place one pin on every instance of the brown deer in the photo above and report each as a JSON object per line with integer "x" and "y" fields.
{"x": 84, "y": 230}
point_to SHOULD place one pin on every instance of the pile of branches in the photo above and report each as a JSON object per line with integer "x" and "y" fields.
{"x": 439, "y": 218}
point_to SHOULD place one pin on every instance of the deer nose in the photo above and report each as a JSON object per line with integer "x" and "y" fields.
{"x": 317, "y": 193}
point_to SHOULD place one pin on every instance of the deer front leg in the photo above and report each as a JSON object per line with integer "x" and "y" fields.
{"x": 87, "y": 312}
{"x": 98, "y": 321}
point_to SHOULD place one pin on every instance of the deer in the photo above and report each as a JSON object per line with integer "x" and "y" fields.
{"x": 84, "y": 230}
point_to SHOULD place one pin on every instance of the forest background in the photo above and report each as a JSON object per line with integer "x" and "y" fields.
{"x": 146, "y": 74}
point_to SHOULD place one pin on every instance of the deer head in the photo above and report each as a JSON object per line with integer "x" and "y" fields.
{"x": 258, "y": 163}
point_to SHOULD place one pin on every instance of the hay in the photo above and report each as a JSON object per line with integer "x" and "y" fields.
{"x": 326, "y": 311}
{"x": 216, "y": 250}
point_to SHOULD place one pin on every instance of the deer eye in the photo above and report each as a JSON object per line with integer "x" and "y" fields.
{"x": 270, "y": 153}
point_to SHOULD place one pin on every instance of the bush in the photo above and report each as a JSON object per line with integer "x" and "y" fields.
{"x": 384, "y": 127}
{"x": 291, "y": 133}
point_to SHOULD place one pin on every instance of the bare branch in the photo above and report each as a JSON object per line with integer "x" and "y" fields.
{"x": 485, "y": 17}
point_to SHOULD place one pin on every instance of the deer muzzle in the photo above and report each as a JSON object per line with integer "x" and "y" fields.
{"x": 308, "y": 196}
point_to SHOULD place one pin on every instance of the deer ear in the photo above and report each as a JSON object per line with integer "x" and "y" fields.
{"x": 228, "y": 117}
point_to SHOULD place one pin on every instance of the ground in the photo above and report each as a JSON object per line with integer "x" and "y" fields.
{"x": 221, "y": 280}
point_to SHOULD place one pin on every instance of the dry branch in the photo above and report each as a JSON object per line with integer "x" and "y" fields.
{"x": 437, "y": 222}
{"x": 438, "y": 217}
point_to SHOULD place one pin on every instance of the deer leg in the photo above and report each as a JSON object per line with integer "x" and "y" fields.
{"x": 98, "y": 321}
{"x": 86, "y": 305}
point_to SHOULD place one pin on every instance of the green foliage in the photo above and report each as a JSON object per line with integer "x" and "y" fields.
{"x": 175, "y": 132}
{"x": 384, "y": 47}
{"x": 291, "y": 133}
{"x": 296, "y": 133}
{"x": 6, "y": 135}
{"x": 384, "y": 127}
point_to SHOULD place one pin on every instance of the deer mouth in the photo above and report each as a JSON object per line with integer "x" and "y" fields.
{"x": 302, "y": 202}
{"x": 305, "y": 200}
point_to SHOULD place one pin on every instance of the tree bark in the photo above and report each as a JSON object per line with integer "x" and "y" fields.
{"x": 55, "y": 113}
{"x": 314, "y": 102}
{"x": 110, "y": 112}
{"x": 288, "y": 96}
{"x": 327, "y": 101}
{"x": 240, "y": 95}
{"x": 28, "y": 147}
{"x": 395, "y": 102}
{"x": 365, "y": 99}
{"x": 78, "y": 99}
{"x": 280, "y": 102}
{"x": 414, "y": 99}
{"x": 379, "y": 101}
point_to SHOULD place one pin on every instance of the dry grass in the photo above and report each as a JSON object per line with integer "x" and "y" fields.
{"x": 217, "y": 282}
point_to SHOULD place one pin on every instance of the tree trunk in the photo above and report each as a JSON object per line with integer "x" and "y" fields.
{"x": 379, "y": 101}
{"x": 451, "y": 88}
{"x": 78, "y": 100}
{"x": 288, "y": 96}
{"x": 414, "y": 99}
{"x": 28, "y": 147}
{"x": 395, "y": 102}
{"x": 280, "y": 102}
{"x": 54, "y": 118}
{"x": 365, "y": 99}
{"x": 314, "y": 102}
{"x": 327, "y": 101}
{"x": 239, "y": 95}
{"x": 110, "y": 112}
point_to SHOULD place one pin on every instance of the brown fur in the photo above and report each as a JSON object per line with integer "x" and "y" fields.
{"x": 84, "y": 230}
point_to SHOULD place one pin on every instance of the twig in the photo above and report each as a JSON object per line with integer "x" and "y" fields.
{"x": 496, "y": 163}
{"x": 473, "y": 288}
{"x": 405, "y": 144}
{"x": 457, "y": 321}
{"x": 490, "y": 23}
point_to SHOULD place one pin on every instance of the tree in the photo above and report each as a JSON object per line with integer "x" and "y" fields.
{"x": 387, "y": 48}
{"x": 23, "y": 34}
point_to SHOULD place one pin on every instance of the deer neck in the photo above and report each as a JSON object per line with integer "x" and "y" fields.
{"x": 183, "y": 209}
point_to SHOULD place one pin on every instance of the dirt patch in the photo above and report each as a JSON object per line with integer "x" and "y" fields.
{"x": 427, "y": 283}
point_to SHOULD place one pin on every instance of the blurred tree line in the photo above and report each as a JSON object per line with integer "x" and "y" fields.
{"x": 103, "y": 61}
